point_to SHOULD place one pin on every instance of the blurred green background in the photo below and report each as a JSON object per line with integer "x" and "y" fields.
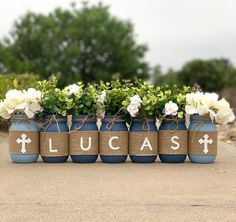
{"x": 90, "y": 44}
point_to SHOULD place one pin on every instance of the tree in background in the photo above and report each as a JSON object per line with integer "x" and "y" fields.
{"x": 85, "y": 44}
{"x": 210, "y": 75}
{"x": 169, "y": 78}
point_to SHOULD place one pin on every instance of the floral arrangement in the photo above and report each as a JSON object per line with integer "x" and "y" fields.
{"x": 172, "y": 101}
{"x": 138, "y": 99}
{"x": 111, "y": 97}
{"x": 84, "y": 99}
{"x": 21, "y": 102}
{"x": 209, "y": 104}
{"x": 143, "y": 100}
{"x": 55, "y": 101}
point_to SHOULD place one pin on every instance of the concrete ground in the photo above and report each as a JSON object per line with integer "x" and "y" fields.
{"x": 124, "y": 192}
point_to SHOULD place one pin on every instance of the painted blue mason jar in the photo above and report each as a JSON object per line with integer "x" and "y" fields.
{"x": 113, "y": 139}
{"x": 173, "y": 140}
{"x": 83, "y": 144}
{"x": 143, "y": 141}
{"x": 23, "y": 139}
{"x": 202, "y": 139}
{"x": 54, "y": 139}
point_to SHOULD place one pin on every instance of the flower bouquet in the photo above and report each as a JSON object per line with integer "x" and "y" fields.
{"x": 21, "y": 107}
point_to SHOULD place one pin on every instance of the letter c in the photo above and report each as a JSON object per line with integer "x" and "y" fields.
{"x": 110, "y": 143}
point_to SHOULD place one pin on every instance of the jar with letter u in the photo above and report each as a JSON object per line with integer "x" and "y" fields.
{"x": 83, "y": 139}
{"x": 113, "y": 139}
{"x": 54, "y": 139}
{"x": 173, "y": 140}
{"x": 202, "y": 139}
{"x": 23, "y": 139}
{"x": 143, "y": 140}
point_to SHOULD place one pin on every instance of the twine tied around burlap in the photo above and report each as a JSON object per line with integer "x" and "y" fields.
{"x": 82, "y": 121}
{"x": 60, "y": 141}
{"x": 104, "y": 148}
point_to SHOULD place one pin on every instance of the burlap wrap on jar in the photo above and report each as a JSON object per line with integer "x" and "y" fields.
{"x": 23, "y": 142}
{"x": 143, "y": 143}
{"x": 173, "y": 142}
{"x": 202, "y": 143}
{"x": 113, "y": 143}
{"x": 83, "y": 143}
{"x": 54, "y": 144}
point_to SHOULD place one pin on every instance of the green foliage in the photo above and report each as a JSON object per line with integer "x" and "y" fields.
{"x": 210, "y": 75}
{"x": 176, "y": 95}
{"x": 85, "y": 102}
{"x": 16, "y": 81}
{"x": 149, "y": 95}
{"x": 86, "y": 44}
{"x": 54, "y": 101}
{"x": 117, "y": 92}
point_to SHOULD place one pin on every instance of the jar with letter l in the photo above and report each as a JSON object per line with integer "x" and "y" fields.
{"x": 54, "y": 139}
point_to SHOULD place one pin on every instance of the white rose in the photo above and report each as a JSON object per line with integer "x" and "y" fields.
{"x": 73, "y": 89}
{"x": 133, "y": 110}
{"x": 136, "y": 100}
{"x": 102, "y": 97}
{"x": 3, "y": 112}
{"x": 170, "y": 109}
{"x": 224, "y": 116}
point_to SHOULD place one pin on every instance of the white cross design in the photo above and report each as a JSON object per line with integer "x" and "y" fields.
{"x": 205, "y": 141}
{"x": 23, "y": 142}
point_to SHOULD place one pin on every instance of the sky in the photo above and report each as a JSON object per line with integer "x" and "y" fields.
{"x": 175, "y": 31}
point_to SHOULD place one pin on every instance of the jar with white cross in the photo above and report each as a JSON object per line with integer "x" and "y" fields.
{"x": 202, "y": 139}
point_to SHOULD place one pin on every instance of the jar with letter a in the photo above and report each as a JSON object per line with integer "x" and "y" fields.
{"x": 23, "y": 139}
{"x": 113, "y": 139}
{"x": 54, "y": 139}
{"x": 173, "y": 140}
{"x": 83, "y": 139}
{"x": 202, "y": 139}
{"x": 143, "y": 140}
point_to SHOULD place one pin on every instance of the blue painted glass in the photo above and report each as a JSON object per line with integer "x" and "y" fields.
{"x": 22, "y": 123}
{"x": 201, "y": 123}
{"x": 118, "y": 126}
{"x": 51, "y": 125}
{"x": 170, "y": 124}
{"x": 138, "y": 125}
{"x": 89, "y": 125}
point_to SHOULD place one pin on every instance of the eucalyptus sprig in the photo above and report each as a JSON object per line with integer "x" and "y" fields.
{"x": 114, "y": 94}
{"x": 54, "y": 101}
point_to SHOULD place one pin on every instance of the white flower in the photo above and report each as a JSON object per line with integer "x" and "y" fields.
{"x": 133, "y": 109}
{"x": 170, "y": 109}
{"x": 208, "y": 103}
{"x": 102, "y": 97}
{"x": 27, "y": 102}
{"x": 224, "y": 116}
{"x": 73, "y": 89}
{"x": 136, "y": 100}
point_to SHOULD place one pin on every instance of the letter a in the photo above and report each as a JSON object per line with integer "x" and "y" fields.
{"x": 82, "y": 144}
{"x": 175, "y": 142}
{"x": 146, "y": 143}
{"x": 110, "y": 143}
{"x": 51, "y": 150}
